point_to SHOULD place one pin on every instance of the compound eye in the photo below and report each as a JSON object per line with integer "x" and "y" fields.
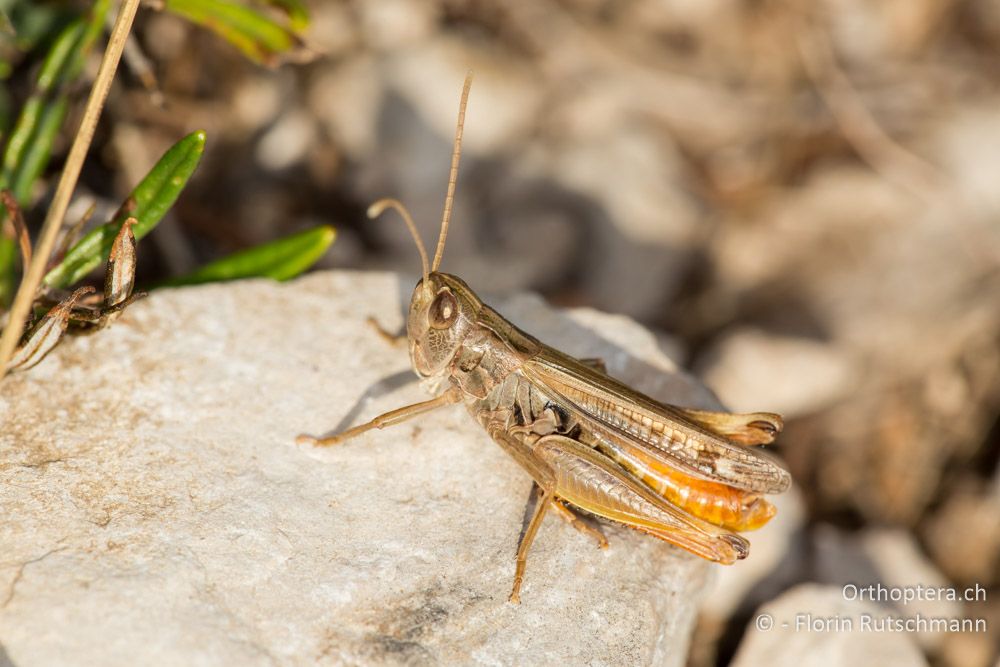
{"x": 443, "y": 310}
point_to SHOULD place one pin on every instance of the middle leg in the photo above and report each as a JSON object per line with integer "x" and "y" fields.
{"x": 578, "y": 523}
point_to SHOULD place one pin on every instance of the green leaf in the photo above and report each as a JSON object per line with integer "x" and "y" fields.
{"x": 253, "y": 33}
{"x": 298, "y": 15}
{"x": 62, "y": 58}
{"x": 6, "y": 108}
{"x": 30, "y": 145}
{"x": 281, "y": 260}
{"x": 8, "y": 267}
{"x": 153, "y": 197}
{"x": 66, "y": 58}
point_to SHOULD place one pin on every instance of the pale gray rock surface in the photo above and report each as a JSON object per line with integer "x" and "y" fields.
{"x": 156, "y": 510}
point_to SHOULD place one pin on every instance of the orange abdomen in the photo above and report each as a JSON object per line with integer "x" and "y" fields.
{"x": 713, "y": 502}
{"x": 716, "y": 503}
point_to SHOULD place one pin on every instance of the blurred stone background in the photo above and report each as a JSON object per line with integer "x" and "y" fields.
{"x": 802, "y": 197}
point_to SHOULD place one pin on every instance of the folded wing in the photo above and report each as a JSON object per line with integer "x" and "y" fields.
{"x": 668, "y": 434}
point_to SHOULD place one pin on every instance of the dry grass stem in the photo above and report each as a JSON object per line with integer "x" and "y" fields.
{"x": 67, "y": 182}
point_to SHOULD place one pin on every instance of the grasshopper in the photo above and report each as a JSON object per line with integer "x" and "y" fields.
{"x": 591, "y": 444}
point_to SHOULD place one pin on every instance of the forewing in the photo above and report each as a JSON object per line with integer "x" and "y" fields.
{"x": 626, "y": 418}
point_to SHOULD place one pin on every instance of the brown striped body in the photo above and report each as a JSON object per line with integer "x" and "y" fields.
{"x": 686, "y": 476}
{"x": 510, "y": 396}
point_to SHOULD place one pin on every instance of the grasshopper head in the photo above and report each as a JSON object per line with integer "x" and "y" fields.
{"x": 443, "y": 310}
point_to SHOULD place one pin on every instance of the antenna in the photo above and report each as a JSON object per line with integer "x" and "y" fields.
{"x": 376, "y": 209}
{"x": 456, "y": 154}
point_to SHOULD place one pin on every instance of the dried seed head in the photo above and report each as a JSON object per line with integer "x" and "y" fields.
{"x": 46, "y": 334}
{"x": 120, "y": 276}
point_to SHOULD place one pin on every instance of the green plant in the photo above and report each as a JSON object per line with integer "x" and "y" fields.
{"x": 27, "y": 30}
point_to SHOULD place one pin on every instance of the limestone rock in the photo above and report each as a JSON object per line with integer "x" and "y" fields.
{"x": 155, "y": 508}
